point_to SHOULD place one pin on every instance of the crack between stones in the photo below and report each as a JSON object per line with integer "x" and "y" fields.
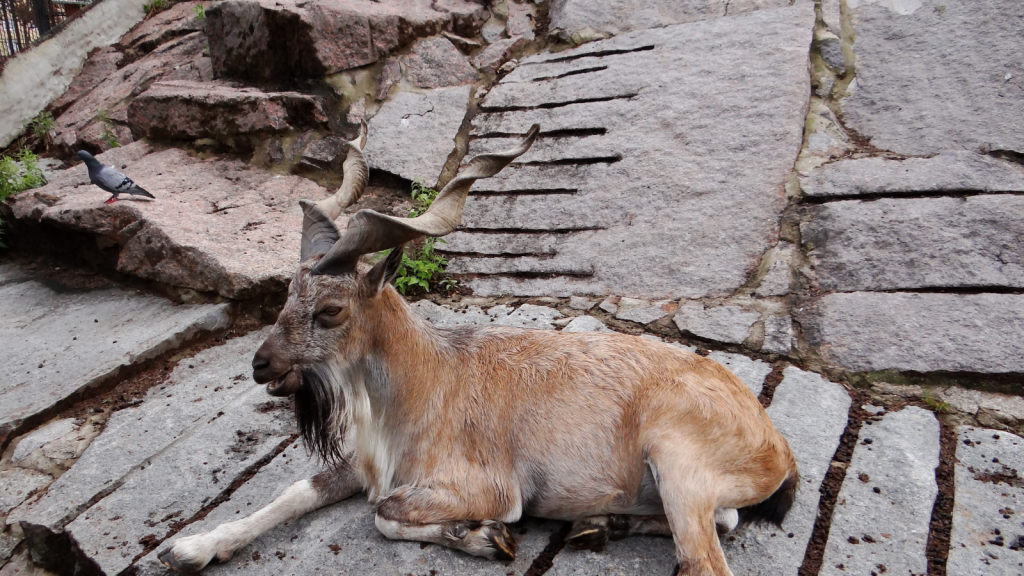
{"x": 870, "y": 197}
{"x": 598, "y": 54}
{"x": 546, "y": 106}
{"x": 572, "y": 161}
{"x": 572, "y": 73}
{"x": 528, "y": 230}
{"x": 941, "y": 526}
{"x": 243, "y": 477}
{"x": 546, "y": 559}
{"x": 965, "y": 290}
{"x": 535, "y": 192}
{"x": 565, "y": 133}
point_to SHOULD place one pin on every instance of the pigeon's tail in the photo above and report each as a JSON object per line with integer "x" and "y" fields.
{"x": 138, "y": 190}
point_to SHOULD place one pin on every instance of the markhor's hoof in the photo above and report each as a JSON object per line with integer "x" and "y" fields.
{"x": 167, "y": 558}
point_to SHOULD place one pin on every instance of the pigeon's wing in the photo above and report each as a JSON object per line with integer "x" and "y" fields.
{"x": 116, "y": 183}
{"x": 97, "y": 178}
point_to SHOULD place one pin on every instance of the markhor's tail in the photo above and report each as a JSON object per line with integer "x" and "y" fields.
{"x": 774, "y": 509}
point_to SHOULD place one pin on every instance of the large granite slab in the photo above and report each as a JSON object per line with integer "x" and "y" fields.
{"x": 197, "y": 390}
{"x": 676, "y": 140}
{"x": 581, "y": 19}
{"x": 900, "y": 243}
{"x": 60, "y": 343}
{"x": 884, "y": 509}
{"x": 987, "y": 537}
{"x": 866, "y": 331}
{"x": 936, "y": 76}
{"x": 216, "y": 225}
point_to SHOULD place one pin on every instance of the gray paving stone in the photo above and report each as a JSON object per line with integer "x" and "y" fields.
{"x": 865, "y": 331}
{"x": 730, "y": 324}
{"x": 642, "y": 311}
{"x": 884, "y": 509}
{"x": 572, "y": 17}
{"x": 42, "y": 436}
{"x": 586, "y": 324}
{"x": 751, "y": 372}
{"x": 917, "y": 243}
{"x": 934, "y": 76}
{"x": 946, "y": 172}
{"x": 1003, "y": 407}
{"x": 197, "y": 390}
{"x": 526, "y": 316}
{"x": 987, "y": 537}
{"x": 175, "y": 484}
{"x": 413, "y": 134}
{"x": 581, "y": 303}
{"x": 778, "y": 335}
{"x": 63, "y": 343}
{"x": 811, "y": 413}
{"x": 531, "y": 244}
{"x": 634, "y": 193}
{"x": 17, "y": 484}
{"x": 628, "y": 557}
{"x": 777, "y": 280}
{"x": 8, "y": 542}
{"x": 303, "y": 547}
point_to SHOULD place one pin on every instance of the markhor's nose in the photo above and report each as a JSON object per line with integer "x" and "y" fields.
{"x": 267, "y": 365}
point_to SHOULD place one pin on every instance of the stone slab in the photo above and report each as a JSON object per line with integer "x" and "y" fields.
{"x": 340, "y": 538}
{"x": 17, "y": 484}
{"x": 1004, "y": 408}
{"x": 627, "y": 557}
{"x": 751, "y": 372}
{"x": 778, "y": 335}
{"x": 642, "y": 311}
{"x": 585, "y": 324}
{"x": 60, "y": 344}
{"x": 580, "y": 19}
{"x": 936, "y": 76}
{"x": 987, "y": 537}
{"x": 730, "y": 324}
{"x": 95, "y": 69}
{"x": 811, "y": 413}
{"x": 176, "y": 20}
{"x": 947, "y": 172}
{"x": 413, "y": 134}
{"x": 903, "y": 243}
{"x": 884, "y": 508}
{"x": 8, "y": 542}
{"x": 216, "y": 225}
{"x": 178, "y": 482}
{"x": 779, "y": 277}
{"x": 526, "y": 316}
{"x": 581, "y": 303}
{"x": 197, "y": 390}
{"x": 650, "y": 173}
{"x": 42, "y": 436}
{"x": 187, "y": 109}
{"x": 21, "y": 565}
{"x": 865, "y": 331}
{"x": 437, "y": 63}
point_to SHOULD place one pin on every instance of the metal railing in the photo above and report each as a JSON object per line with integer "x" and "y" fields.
{"x": 22, "y": 22}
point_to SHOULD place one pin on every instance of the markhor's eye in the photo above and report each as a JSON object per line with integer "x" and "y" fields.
{"x": 332, "y": 310}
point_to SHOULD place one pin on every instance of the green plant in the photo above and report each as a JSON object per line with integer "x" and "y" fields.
{"x": 936, "y": 405}
{"x": 154, "y": 6}
{"x": 200, "y": 11}
{"x": 422, "y": 198}
{"x": 43, "y": 124}
{"x": 19, "y": 173}
{"x": 418, "y": 271}
{"x": 206, "y": 48}
{"x": 108, "y": 136}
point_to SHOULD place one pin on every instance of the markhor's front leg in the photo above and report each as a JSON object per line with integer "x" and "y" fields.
{"x": 193, "y": 553}
{"x": 434, "y": 515}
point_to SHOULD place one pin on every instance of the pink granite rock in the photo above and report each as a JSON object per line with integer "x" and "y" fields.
{"x": 215, "y": 225}
{"x": 521, "y": 18}
{"x": 388, "y": 76}
{"x": 81, "y": 125}
{"x": 279, "y": 39}
{"x": 102, "y": 63}
{"x": 437, "y": 63}
{"x": 178, "y": 20}
{"x": 498, "y": 53}
{"x": 467, "y": 17}
{"x": 185, "y": 110}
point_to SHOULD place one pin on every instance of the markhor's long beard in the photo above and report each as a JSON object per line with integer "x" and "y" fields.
{"x": 320, "y": 412}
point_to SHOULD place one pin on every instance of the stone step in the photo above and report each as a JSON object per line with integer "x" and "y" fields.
{"x": 187, "y": 110}
{"x": 63, "y": 343}
{"x": 704, "y": 156}
{"x": 615, "y": 17}
{"x": 883, "y": 512}
{"x": 197, "y": 390}
{"x": 524, "y": 265}
{"x": 892, "y": 244}
{"x": 215, "y": 226}
{"x": 499, "y": 243}
{"x": 951, "y": 172}
{"x": 867, "y": 331}
{"x": 987, "y": 537}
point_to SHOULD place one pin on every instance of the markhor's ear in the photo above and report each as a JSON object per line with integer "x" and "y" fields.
{"x": 383, "y": 272}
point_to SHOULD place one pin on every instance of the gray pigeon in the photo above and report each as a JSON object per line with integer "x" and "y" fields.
{"x": 109, "y": 179}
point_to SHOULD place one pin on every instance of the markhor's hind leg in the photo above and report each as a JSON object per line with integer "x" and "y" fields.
{"x": 594, "y": 532}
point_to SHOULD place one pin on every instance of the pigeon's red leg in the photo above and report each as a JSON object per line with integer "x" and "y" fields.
{"x": 112, "y": 200}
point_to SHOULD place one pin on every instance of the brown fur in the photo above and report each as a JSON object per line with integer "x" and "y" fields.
{"x": 482, "y": 424}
